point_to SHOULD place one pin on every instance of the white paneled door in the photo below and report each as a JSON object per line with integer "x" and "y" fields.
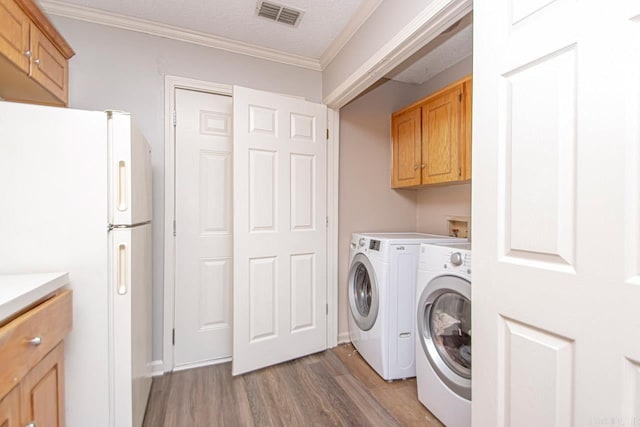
{"x": 556, "y": 213}
{"x": 280, "y": 167}
{"x": 204, "y": 228}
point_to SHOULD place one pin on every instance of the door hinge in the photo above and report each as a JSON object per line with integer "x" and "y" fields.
{"x": 327, "y": 221}
{"x": 327, "y": 306}
{"x": 174, "y": 228}
{"x": 459, "y": 172}
{"x": 327, "y": 133}
{"x": 173, "y": 336}
{"x": 175, "y": 120}
{"x": 459, "y": 97}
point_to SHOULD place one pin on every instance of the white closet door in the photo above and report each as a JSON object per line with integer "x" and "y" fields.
{"x": 556, "y": 218}
{"x": 280, "y": 167}
{"x": 204, "y": 228}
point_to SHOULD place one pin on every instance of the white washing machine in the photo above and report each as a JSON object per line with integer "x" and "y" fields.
{"x": 382, "y": 280}
{"x": 443, "y": 345}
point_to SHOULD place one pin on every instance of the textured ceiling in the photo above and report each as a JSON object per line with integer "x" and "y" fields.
{"x": 322, "y": 22}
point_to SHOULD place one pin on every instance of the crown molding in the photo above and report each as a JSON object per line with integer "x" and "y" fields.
{"x": 115, "y": 20}
{"x": 360, "y": 17}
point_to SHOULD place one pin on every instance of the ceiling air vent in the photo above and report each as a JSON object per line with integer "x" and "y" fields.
{"x": 279, "y": 13}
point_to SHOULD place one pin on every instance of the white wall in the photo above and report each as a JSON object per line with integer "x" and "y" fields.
{"x": 385, "y": 22}
{"x": 119, "y": 69}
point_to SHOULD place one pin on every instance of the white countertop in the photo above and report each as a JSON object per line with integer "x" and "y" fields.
{"x": 18, "y": 291}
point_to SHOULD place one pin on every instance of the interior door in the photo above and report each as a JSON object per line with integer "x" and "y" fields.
{"x": 204, "y": 228}
{"x": 556, "y": 213}
{"x": 280, "y": 237}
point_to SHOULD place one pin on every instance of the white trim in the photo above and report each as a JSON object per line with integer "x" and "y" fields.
{"x": 157, "y": 368}
{"x": 360, "y": 17}
{"x": 202, "y": 364}
{"x": 333, "y": 159}
{"x": 343, "y": 338}
{"x": 171, "y": 83}
{"x": 432, "y": 21}
{"x": 110, "y": 19}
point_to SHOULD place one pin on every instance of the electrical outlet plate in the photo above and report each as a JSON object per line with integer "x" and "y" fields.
{"x": 459, "y": 226}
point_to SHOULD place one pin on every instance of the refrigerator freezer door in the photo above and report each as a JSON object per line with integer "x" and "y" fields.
{"x": 130, "y": 346}
{"x": 129, "y": 172}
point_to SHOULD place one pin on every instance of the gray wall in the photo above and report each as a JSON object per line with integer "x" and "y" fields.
{"x": 124, "y": 70}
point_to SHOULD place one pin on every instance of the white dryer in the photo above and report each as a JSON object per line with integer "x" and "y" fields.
{"x": 443, "y": 345}
{"x": 382, "y": 280}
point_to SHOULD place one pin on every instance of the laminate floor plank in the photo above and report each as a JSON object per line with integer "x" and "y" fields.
{"x": 374, "y": 413}
{"x": 332, "y": 388}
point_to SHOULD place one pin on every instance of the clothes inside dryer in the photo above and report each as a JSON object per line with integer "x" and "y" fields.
{"x": 450, "y": 326}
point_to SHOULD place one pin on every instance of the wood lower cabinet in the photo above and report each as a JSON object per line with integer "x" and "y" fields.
{"x": 33, "y": 55}
{"x": 42, "y": 391}
{"x": 431, "y": 139}
{"x": 10, "y": 409}
{"x": 32, "y": 357}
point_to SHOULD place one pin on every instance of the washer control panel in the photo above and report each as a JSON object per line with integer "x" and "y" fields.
{"x": 457, "y": 261}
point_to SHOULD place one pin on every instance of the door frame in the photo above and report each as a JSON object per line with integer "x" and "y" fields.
{"x": 172, "y": 83}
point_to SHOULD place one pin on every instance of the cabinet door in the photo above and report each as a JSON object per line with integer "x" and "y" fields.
{"x": 10, "y": 409}
{"x": 405, "y": 134}
{"x": 42, "y": 391}
{"x": 465, "y": 129}
{"x": 49, "y": 67}
{"x": 14, "y": 34}
{"x": 441, "y": 137}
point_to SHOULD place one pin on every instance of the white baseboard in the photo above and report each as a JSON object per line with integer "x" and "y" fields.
{"x": 343, "y": 337}
{"x": 157, "y": 368}
{"x": 201, "y": 364}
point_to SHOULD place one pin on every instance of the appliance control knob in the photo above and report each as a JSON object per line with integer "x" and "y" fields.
{"x": 456, "y": 258}
{"x": 361, "y": 242}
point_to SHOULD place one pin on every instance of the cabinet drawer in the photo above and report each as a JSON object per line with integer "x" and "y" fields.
{"x": 49, "y": 321}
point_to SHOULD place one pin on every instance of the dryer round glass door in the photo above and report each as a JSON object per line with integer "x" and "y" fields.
{"x": 444, "y": 330}
{"x": 363, "y": 292}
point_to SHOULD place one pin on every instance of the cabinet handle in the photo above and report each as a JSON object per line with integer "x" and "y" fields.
{"x": 35, "y": 341}
{"x": 415, "y": 167}
{"x": 31, "y": 424}
{"x": 27, "y": 53}
{"x": 422, "y": 166}
{"x": 36, "y": 61}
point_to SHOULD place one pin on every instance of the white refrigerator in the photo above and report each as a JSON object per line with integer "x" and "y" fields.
{"x": 75, "y": 196}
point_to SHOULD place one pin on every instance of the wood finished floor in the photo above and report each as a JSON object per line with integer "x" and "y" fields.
{"x": 332, "y": 388}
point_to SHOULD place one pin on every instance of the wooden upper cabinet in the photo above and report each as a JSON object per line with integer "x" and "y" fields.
{"x": 441, "y": 137}
{"x": 33, "y": 55}
{"x": 406, "y": 149}
{"x": 441, "y": 142}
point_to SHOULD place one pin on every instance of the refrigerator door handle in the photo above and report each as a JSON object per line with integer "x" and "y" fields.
{"x": 122, "y": 186}
{"x": 122, "y": 269}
